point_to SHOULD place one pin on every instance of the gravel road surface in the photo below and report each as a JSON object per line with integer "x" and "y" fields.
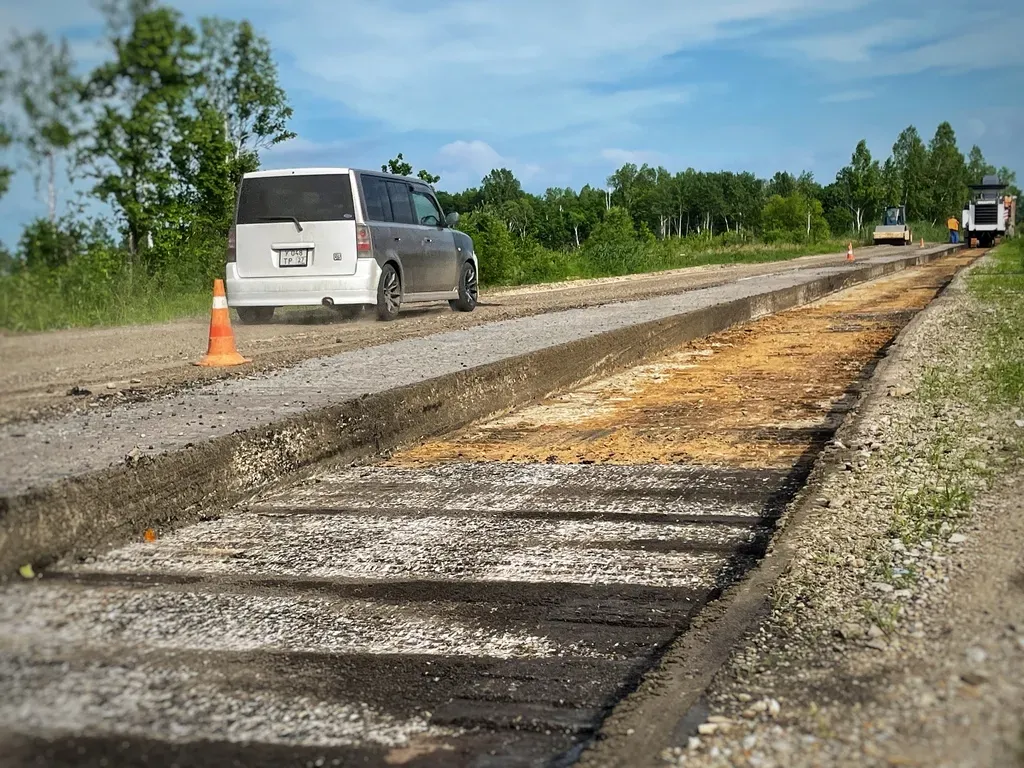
{"x": 129, "y": 363}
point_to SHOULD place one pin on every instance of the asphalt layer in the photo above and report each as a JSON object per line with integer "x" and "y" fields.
{"x": 34, "y": 455}
{"x": 476, "y": 614}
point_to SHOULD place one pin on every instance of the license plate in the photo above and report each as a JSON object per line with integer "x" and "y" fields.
{"x": 293, "y": 257}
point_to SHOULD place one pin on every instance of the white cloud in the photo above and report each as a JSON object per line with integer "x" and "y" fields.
{"x": 466, "y": 162}
{"x": 843, "y": 97}
{"x": 473, "y": 156}
{"x": 497, "y": 70}
{"x": 910, "y": 43}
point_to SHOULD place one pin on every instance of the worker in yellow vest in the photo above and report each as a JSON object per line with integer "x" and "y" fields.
{"x": 954, "y": 229}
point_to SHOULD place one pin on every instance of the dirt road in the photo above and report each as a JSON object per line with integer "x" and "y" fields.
{"x": 483, "y": 599}
{"x": 126, "y": 363}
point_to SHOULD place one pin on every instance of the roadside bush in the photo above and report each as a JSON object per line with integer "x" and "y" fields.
{"x": 494, "y": 247}
{"x": 794, "y": 219}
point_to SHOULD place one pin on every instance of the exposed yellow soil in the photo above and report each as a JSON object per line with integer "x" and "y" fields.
{"x": 758, "y": 395}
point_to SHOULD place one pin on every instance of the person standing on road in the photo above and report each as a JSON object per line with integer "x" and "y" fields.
{"x": 954, "y": 229}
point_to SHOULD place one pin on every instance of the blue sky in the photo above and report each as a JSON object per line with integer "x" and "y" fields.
{"x": 564, "y": 91}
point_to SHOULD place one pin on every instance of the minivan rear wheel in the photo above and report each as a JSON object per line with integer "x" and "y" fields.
{"x": 468, "y": 289}
{"x": 255, "y": 315}
{"x": 389, "y": 293}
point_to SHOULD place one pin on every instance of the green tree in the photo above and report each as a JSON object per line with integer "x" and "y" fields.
{"x": 45, "y": 244}
{"x": 47, "y": 92}
{"x": 977, "y": 167}
{"x": 613, "y": 246}
{"x": 782, "y": 184}
{"x": 399, "y": 166}
{"x": 9, "y": 263}
{"x": 860, "y": 184}
{"x": 206, "y": 175}
{"x": 1009, "y": 178}
{"x": 499, "y": 187}
{"x": 241, "y": 82}
{"x": 140, "y": 101}
{"x": 947, "y": 174}
{"x": 5, "y": 171}
{"x": 834, "y": 207}
{"x": 807, "y": 186}
{"x": 907, "y": 174}
{"x": 796, "y": 218}
{"x": 493, "y": 245}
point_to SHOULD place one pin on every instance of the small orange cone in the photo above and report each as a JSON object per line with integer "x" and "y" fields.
{"x": 222, "y": 341}
{"x": 922, "y": 243}
{"x": 849, "y": 252}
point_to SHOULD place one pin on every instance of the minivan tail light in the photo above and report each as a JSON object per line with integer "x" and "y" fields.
{"x": 231, "y": 252}
{"x": 363, "y": 238}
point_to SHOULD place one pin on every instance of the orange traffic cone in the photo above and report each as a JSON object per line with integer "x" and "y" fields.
{"x": 222, "y": 341}
{"x": 922, "y": 243}
{"x": 849, "y": 252}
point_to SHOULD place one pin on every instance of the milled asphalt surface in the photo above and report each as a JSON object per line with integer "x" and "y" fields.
{"x": 479, "y": 614}
{"x": 35, "y": 455}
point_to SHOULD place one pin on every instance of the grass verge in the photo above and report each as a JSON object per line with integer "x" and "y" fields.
{"x": 44, "y": 300}
{"x": 980, "y": 383}
{"x": 80, "y": 295}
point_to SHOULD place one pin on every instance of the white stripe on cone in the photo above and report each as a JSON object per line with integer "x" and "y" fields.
{"x": 220, "y": 302}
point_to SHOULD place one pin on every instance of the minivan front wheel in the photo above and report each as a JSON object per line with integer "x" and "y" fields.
{"x": 255, "y": 315}
{"x": 468, "y": 289}
{"x": 389, "y": 293}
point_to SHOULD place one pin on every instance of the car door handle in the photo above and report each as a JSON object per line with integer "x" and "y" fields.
{"x": 427, "y": 240}
{"x": 398, "y": 239}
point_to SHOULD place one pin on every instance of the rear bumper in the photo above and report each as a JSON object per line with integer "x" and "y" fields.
{"x": 360, "y": 288}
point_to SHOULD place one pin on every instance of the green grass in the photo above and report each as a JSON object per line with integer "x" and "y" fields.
{"x": 85, "y": 295}
{"x": 1000, "y": 287}
{"x": 932, "y": 233}
{"x": 537, "y": 265}
{"x": 984, "y": 379}
{"x": 45, "y": 300}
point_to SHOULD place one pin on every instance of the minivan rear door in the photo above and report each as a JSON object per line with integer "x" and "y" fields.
{"x": 296, "y": 225}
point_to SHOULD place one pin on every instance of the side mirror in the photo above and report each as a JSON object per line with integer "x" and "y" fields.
{"x": 451, "y": 219}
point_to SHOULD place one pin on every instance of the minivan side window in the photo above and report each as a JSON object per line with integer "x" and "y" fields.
{"x": 401, "y": 205}
{"x": 427, "y": 212}
{"x": 378, "y": 204}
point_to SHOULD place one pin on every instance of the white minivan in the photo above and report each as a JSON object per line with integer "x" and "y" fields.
{"x": 344, "y": 238}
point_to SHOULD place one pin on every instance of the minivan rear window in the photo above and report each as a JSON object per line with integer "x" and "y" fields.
{"x": 319, "y": 197}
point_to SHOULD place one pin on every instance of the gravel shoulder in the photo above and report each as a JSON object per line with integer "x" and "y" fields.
{"x": 125, "y": 364}
{"x": 896, "y": 637}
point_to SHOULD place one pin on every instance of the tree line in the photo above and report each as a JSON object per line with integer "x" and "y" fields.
{"x": 162, "y": 130}
{"x": 931, "y": 180}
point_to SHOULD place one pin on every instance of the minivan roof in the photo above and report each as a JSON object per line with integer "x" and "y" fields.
{"x": 320, "y": 171}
